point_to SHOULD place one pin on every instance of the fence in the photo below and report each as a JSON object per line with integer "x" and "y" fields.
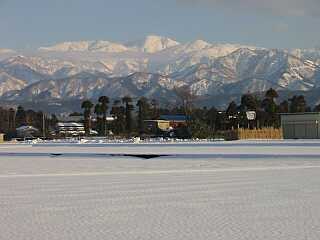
{"x": 263, "y": 133}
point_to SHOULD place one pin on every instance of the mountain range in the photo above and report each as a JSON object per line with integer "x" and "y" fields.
{"x": 154, "y": 67}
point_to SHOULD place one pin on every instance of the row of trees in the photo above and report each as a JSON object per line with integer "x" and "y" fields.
{"x": 11, "y": 119}
{"x": 130, "y": 114}
{"x": 203, "y": 122}
{"x": 125, "y": 119}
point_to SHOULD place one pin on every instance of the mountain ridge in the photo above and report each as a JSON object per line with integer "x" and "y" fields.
{"x": 154, "y": 67}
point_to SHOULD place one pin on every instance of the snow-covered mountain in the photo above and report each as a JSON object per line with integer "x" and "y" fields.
{"x": 154, "y": 67}
{"x": 92, "y": 85}
{"x": 91, "y": 46}
{"x": 9, "y": 83}
{"x": 251, "y": 70}
{"x": 152, "y": 44}
{"x": 33, "y": 69}
{"x": 312, "y": 54}
{"x": 6, "y": 53}
{"x": 152, "y": 54}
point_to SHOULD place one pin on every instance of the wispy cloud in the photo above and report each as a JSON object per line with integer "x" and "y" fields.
{"x": 278, "y": 7}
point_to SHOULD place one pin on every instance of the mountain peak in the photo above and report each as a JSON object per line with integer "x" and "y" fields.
{"x": 197, "y": 45}
{"x": 153, "y": 43}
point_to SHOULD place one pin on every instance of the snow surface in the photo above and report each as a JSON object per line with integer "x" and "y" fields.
{"x": 201, "y": 190}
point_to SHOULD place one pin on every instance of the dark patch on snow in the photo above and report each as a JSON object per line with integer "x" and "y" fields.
{"x": 144, "y": 156}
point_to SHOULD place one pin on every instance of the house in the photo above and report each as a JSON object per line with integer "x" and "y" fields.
{"x": 154, "y": 126}
{"x": 71, "y": 118}
{"x": 175, "y": 118}
{"x": 165, "y": 123}
{"x": 71, "y": 129}
{"x": 301, "y": 125}
{"x": 28, "y": 132}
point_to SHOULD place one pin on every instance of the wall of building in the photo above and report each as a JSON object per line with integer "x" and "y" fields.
{"x": 301, "y": 126}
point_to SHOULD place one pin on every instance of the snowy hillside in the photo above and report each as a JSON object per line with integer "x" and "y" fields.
{"x": 92, "y": 85}
{"x": 9, "y": 83}
{"x": 154, "y": 66}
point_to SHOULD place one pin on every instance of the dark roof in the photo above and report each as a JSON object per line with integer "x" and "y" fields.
{"x": 174, "y": 117}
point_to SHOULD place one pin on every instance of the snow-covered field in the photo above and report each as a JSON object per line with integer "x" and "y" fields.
{"x": 218, "y": 190}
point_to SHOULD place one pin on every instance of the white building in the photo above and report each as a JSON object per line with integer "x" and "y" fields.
{"x": 70, "y": 129}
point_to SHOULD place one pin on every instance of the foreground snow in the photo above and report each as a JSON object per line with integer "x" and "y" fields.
{"x": 220, "y": 190}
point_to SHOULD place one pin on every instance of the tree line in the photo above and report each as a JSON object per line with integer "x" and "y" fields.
{"x": 126, "y": 120}
{"x": 202, "y": 122}
{"x": 130, "y": 115}
{"x": 11, "y": 119}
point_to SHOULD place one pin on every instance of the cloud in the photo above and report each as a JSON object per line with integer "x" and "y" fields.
{"x": 278, "y": 7}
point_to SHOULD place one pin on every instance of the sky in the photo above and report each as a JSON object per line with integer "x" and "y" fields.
{"x": 28, "y": 24}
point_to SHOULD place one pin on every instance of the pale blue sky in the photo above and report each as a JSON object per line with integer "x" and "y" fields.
{"x": 267, "y": 23}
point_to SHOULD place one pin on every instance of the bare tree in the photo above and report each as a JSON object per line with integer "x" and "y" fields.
{"x": 187, "y": 98}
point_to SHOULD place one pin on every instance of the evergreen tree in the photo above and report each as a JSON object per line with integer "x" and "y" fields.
{"x": 271, "y": 94}
{"x": 297, "y": 104}
{"x": 87, "y": 106}
{"x": 104, "y": 101}
{"x": 20, "y": 118}
{"x": 270, "y": 107}
{"x": 12, "y": 120}
{"x": 4, "y": 120}
{"x": 211, "y": 118}
{"x": 144, "y": 112}
{"x": 99, "y": 113}
{"x": 155, "y": 109}
{"x": 284, "y": 107}
{"x": 232, "y": 115}
{"x": 317, "y": 108}
{"x": 127, "y": 100}
{"x": 249, "y": 102}
{"x": 118, "y": 112}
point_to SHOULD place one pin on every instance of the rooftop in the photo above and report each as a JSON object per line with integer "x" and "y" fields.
{"x": 174, "y": 117}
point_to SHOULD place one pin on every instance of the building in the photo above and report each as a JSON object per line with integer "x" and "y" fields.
{"x": 301, "y": 125}
{"x": 165, "y": 123}
{"x": 175, "y": 118}
{"x": 70, "y": 118}
{"x": 28, "y": 132}
{"x": 154, "y": 126}
{"x": 70, "y": 129}
{"x": 1, "y": 137}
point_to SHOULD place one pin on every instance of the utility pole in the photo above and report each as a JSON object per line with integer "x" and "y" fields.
{"x": 43, "y": 126}
{"x": 105, "y": 126}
